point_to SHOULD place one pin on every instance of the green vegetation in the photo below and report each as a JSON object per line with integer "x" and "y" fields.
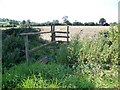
{"x": 8, "y": 22}
{"x": 87, "y": 63}
{"x": 4, "y": 24}
{"x": 13, "y": 46}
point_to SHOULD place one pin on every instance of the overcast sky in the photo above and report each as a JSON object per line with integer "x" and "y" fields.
{"x": 48, "y": 10}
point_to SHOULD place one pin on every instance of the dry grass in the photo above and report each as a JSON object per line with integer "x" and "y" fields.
{"x": 87, "y": 31}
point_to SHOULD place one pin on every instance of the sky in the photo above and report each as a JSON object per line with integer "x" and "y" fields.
{"x": 49, "y": 10}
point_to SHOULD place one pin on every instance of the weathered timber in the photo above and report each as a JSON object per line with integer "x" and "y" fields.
{"x": 36, "y": 48}
{"x": 62, "y": 36}
{"x": 68, "y": 34}
{"x": 52, "y": 33}
{"x": 53, "y": 37}
{"x": 34, "y": 33}
{"x": 26, "y": 49}
{"x": 61, "y": 32}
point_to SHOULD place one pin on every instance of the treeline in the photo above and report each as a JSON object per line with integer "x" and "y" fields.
{"x": 14, "y": 23}
{"x": 5, "y": 22}
{"x": 73, "y": 24}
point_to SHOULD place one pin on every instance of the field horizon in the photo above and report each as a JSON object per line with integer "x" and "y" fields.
{"x": 74, "y": 30}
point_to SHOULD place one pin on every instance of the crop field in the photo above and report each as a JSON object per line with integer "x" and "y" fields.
{"x": 82, "y": 31}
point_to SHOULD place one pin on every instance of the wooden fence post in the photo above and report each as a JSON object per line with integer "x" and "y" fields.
{"x": 53, "y": 33}
{"x": 26, "y": 49}
{"x": 67, "y": 34}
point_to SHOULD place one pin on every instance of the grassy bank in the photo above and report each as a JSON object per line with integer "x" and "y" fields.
{"x": 88, "y": 63}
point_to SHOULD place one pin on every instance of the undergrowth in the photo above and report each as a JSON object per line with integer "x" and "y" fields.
{"x": 87, "y": 63}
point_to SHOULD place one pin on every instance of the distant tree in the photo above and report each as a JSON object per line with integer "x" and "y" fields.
{"x": 23, "y": 24}
{"x": 65, "y": 18}
{"x": 48, "y": 23}
{"x": 3, "y": 19}
{"x": 113, "y": 23}
{"x": 96, "y": 24}
{"x": 76, "y": 23}
{"x": 66, "y": 21}
{"x": 106, "y": 24}
{"x": 86, "y": 24}
{"x": 102, "y": 21}
{"x": 28, "y": 22}
{"x": 10, "y": 22}
{"x": 91, "y": 24}
{"x": 56, "y": 22}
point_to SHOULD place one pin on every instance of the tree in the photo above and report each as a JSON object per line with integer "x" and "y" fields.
{"x": 77, "y": 23}
{"x": 23, "y": 24}
{"x": 66, "y": 21}
{"x": 91, "y": 24}
{"x": 65, "y": 18}
{"x": 12, "y": 23}
{"x": 56, "y": 22}
{"x": 85, "y": 24}
{"x": 96, "y": 24}
{"x": 48, "y": 23}
{"x": 106, "y": 24}
{"x": 28, "y": 23}
{"x": 102, "y": 21}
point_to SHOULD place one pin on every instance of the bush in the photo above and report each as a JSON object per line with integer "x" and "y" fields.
{"x": 102, "y": 50}
{"x": 13, "y": 45}
{"x": 71, "y": 53}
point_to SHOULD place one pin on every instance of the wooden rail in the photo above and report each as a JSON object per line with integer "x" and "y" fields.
{"x": 26, "y": 49}
{"x": 53, "y": 40}
{"x": 61, "y": 32}
{"x": 68, "y": 34}
{"x": 34, "y": 33}
{"x": 62, "y": 36}
{"x": 38, "y": 47}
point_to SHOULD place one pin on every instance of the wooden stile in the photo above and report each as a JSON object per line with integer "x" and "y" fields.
{"x": 53, "y": 40}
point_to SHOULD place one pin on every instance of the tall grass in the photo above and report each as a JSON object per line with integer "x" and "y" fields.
{"x": 102, "y": 50}
{"x": 97, "y": 57}
{"x": 87, "y": 63}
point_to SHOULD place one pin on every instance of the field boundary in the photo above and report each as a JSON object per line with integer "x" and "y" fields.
{"x": 53, "y": 40}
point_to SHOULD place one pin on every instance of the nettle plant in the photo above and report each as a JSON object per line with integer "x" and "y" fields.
{"x": 102, "y": 50}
